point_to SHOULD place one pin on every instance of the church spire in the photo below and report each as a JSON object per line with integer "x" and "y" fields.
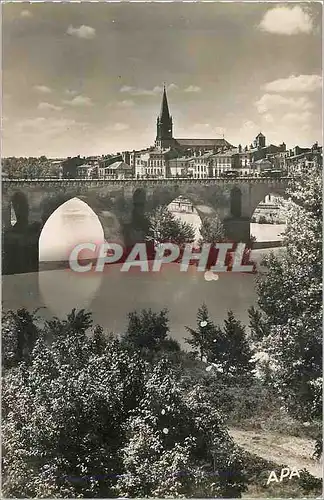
{"x": 164, "y": 124}
{"x": 164, "y": 113}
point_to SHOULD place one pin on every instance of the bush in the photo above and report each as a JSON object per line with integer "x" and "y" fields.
{"x": 262, "y": 220}
{"x": 84, "y": 404}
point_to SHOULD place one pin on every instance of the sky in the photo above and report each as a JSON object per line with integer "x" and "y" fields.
{"x": 87, "y": 78}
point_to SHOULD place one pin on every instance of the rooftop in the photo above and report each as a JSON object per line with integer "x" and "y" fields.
{"x": 228, "y": 152}
{"x": 202, "y": 142}
{"x": 119, "y": 164}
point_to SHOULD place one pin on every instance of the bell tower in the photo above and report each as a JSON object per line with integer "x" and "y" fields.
{"x": 164, "y": 137}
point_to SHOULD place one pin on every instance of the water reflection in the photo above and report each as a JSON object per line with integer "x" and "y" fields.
{"x": 63, "y": 290}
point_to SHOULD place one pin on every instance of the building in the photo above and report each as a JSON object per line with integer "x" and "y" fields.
{"x": 151, "y": 163}
{"x": 70, "y": 166}
{"x": 198, "y": 165}
{"x": 272, "y": 210}
{"x": 299, "y": 159}
{"x": 179, "y": 167}
{"x": 181, "y": 205}
{"x": 224, "y": 161}
{"x": 249, "y": 156}
{"x": 88, "y": 170}
{"x": 116, "y": 170}
{"x": 259, "y": 167}
{"x": 164, "y": 135}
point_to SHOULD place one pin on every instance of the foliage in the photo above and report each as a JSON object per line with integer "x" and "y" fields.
{"x": 164, "y": 226}
{"x": 148, "y": 331}
{"x": 290, "y": 297}
{"x": 259, "y": 328}
{"x": 206, "y": 332}
{"x": 19, "y": 334}
{"x": 88, "y": 418}
{"x": 234, "y": 353}
{"x": 182, "y": 446}
{"x": 211, "y": 230}
{"x": 263, "y": 220}
{"x": 227, "y": 349}
{"x": 29, "y": 167}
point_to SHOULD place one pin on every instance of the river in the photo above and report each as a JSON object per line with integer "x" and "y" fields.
{"x": 113, "y": 294}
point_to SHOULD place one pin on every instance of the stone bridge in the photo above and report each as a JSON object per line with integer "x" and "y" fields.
{"x": 121, "y": 204}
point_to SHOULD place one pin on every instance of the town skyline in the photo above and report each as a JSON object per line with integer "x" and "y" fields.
{"x": 92, "y": 83}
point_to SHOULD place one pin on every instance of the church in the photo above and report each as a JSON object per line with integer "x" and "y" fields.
{"x": 198, "y": 158}
{"x": 156, "y": 161}
{"x": 165, "y": 140}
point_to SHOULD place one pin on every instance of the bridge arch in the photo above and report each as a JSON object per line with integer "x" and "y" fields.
{"x": 109, "y": 220}
{"x": 63, "y": 230}
{"x": 183, "y": 209}
{"x": 262, "y": 192}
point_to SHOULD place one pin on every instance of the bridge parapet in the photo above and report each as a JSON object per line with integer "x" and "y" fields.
{"x": 283, "y": 181}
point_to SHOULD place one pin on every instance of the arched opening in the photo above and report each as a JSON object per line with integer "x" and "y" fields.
{"x": 269, "y": 218}
{"x": 72, "y": 223}
{"x": 236, "y": 202}
{"x": 139, "y": 197}
{"x": 185, "y": 211}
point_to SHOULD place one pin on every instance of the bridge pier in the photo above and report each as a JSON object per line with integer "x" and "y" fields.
{"x": 237, "y": 230}
{"x": 20, "y": 243}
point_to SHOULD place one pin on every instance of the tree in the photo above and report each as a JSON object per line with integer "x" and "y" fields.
{"x": 290, "y": 297}
{"x": 164, "y": 226}
{"x": 176, "y": 445}
{"x": 202, "y": 338}
{"x": 148, "y": 332}
{"x": 227, "y": 349}
{"x": 259, "y": 328}
{"x": 234, "y": 355}
{"x": 19, "y": 334}
{"x": 211, "y": 230}
{"x": 88, "y": 420}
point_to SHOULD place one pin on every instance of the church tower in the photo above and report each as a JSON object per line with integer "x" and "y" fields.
{"x": 259, "y": 141}
{"x": 164, "y": 137}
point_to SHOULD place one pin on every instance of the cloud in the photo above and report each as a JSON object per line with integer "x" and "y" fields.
{"x": 26, "y": 14}
{"x": 49, "y": 126}
{"x": 268, "y": 118}
{"x": 31, "y": 123}
{"x": 71, "y": 92}
{"x": 79, "y": 101}
{"x": 201, "y": 126}
{"x": 297, "y": 118}
{"x": 286, "y": 21}
{"x": 245, "y": 133}
{"x": 172, "y": 86}
{"x": 119, "y": 127}
{"x": 83, "y": 31}
{"x": 270, "y": 102}
{"x": 192, "y": 88}
{"x": 43, "y": 89}
{"x": 47, "y": 106}
{"x": 301, "y": 83}
{"x": 127, "y": 103}
{"x": 138, "y": 91}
